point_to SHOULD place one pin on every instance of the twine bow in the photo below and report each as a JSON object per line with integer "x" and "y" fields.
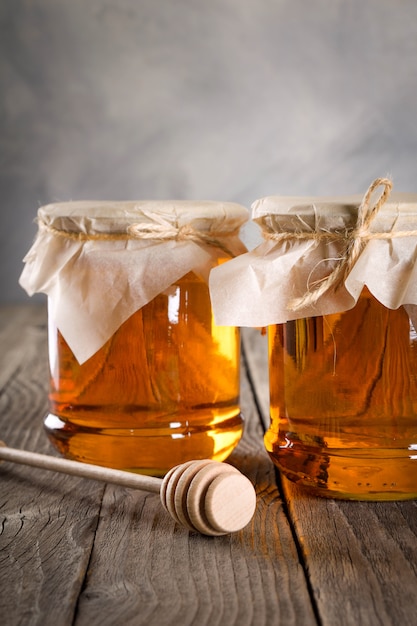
{"x": 354, "y": 240}
{"x": 161, "y": 229}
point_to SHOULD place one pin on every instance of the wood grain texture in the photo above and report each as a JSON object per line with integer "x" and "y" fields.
{"x": 360, "y": 557}
{"x": 74, "y": 552}
{"x": 47, "y": 521}
{"x": 147, "y": 570}
{"x": 255, "y": 354}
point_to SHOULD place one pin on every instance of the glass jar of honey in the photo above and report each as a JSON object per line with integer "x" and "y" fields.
{"x": 141, "y": 377}
{"x": 339, "y": 295}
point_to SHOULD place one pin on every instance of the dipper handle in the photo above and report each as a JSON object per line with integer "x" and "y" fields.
{"x": 207, "y": 496}
{"x": 75, "y": 468}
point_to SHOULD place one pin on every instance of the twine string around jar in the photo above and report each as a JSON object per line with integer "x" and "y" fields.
{"x": 161, "y": 229}
{"x": 156, "y": 229}
{"x": 353, "y": 241}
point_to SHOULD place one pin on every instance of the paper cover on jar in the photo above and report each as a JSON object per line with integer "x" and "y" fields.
{"x": 99, "y": 262}
{"x": 318, "y": 255}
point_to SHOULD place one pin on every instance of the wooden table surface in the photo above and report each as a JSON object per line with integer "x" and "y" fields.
{"x": 74, "y": 551}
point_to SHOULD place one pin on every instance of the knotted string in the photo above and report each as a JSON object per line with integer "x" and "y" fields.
{"x": 163, "y": 230}
{"x": 157, "y": 229}
{"x": 353, "y": 239}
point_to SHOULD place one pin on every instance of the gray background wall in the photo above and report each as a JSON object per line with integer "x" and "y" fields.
{"x": 219, "y": 99}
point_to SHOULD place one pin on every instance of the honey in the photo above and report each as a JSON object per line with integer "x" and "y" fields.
{"x": 164, "y": 389}
{"x": 141, "y": 377}
{"x": 335, "y": 283}
{"x": 343, "y": 402}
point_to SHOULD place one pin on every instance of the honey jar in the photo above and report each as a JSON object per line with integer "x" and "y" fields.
{"x": 141, "y": 377}
{"x": 335, "y": 283}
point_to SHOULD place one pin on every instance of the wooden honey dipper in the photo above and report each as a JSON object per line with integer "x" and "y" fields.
{"x": 207, "y": 496}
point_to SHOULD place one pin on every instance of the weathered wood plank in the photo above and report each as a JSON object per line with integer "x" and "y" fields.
{"x": 146, "y": 570}
{"x": 47, "y": 521}
{"x": 255, "y": 353}
{"x": 17, "y": 325}
{"x": 143, "y": 569}
{"x": 361, "y": 557}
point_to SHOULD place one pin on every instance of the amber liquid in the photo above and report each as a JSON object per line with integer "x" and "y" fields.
{"x": 343, "y": 392}
{"x": 163, "y": 390}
